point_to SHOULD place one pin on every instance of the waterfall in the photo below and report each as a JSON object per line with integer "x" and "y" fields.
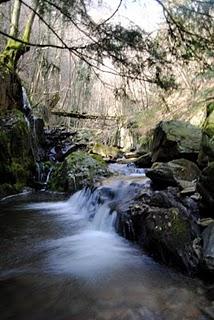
{"x": 95, "y": 249}
{"x": 42, "y": 175}
{"x": 25, "y": 102}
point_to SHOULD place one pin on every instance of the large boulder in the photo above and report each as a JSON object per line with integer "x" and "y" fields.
{"x": 165, "y": 224}
{"x": 181, "y": 172}
{"x": 79, "y": 170}
{"x": 144, "y": 161}
{"x": 175, "y": 139}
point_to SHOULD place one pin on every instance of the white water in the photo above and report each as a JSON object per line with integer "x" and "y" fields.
{"x": 127, "y": 170}
{"x": 64, "y": 260}
{"x": 94, "y": 251}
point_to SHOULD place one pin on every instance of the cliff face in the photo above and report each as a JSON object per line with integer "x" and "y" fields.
{"x": 16, "y": 155}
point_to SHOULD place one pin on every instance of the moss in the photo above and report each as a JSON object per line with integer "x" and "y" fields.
{"x": 11, "y": 54}
{"x": 105, "y": 151}
{"x": 210, "y": 108}
{"x": 145, "y": 142}
{"x": 99, "y": 159}
{"x": 80, "y": 169}
{"x": 172, "y": 227}
{"x": 19, "y": 171}
{"x": 58, "y": 178}
{"x": 6, "y": 189}
{"x": 179, "y": 227}
{"x": 4, "y": 147}
{"x": 16, "y": 158}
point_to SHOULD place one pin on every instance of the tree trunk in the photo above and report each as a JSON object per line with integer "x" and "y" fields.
{"x": 14, "y": 49}
{"x": 14, "y": 23}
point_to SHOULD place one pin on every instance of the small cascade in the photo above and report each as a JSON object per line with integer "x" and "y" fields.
{"x": 94, "y": 250}
{"x": 126, "y": 169}
{"x": 42, "y": 174}
{"x": 25, "y": 102}
{"x": 100, "y": 207}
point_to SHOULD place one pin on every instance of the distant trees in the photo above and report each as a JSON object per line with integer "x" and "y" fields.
{"x": 89, "y": 49}
{"x": 190, "y": 29}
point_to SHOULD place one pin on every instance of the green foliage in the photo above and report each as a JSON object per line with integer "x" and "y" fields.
{"x": 191, "y": 30}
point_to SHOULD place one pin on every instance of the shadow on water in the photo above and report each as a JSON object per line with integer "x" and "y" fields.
{"x": 64, "y": 260}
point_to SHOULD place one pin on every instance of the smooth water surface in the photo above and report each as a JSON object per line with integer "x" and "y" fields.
{"x": 64, "y": 260}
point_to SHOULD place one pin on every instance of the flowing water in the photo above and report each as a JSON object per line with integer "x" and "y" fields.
{"x": 64, "y": 260}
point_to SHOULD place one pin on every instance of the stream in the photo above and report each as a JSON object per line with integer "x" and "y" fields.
{"x": 62, "y": 259}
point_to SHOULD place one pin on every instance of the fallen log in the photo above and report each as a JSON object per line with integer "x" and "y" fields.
{"x": 77, "y": 115}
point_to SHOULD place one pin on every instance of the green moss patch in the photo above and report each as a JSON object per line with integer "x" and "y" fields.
{"x": 80, "y": 169}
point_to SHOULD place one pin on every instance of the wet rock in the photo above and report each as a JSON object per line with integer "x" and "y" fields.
{"x": 39, "y": 131}
{"x": 170, "y": 237}
{"x": 180, "y": 172}
{"x": 144, "y": 161}
{"x": 208, "y": 247}
{"x": 175, "y": 139}
{"x": 165, "y": 224}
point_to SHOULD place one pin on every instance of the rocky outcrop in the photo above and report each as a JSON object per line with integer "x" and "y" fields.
{"x": 167, "y": 218}
{"x": 181, "y": 173}
{"x": 174, "y": 140}
{"x": 123, "y": 139}
{"x": 164, "y": 223}
{"x": 17, "y": 164}
{"x": 77, "y": 171}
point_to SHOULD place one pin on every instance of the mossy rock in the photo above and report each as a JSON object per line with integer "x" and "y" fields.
{"x": 170, "y": 237}
{"x": 173, "y": 172}
{"x": 175, "y": 139}
{"x": 16, "y": 157}
{"x": 105, "y": 151}
{"x": 79, "y": 170}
